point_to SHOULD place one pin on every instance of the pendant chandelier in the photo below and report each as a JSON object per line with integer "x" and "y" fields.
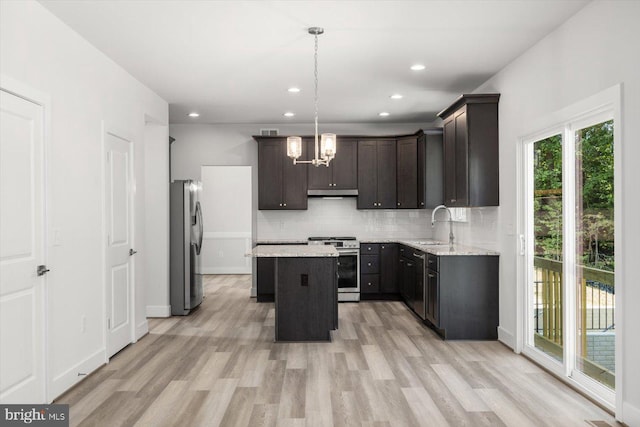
{"x": 326, "y": 150}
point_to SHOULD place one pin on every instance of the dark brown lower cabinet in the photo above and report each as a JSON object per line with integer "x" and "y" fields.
{"x": 378, "y": 271}
{"x": 265, "y": 281}
{"x": 462, "y": 296}
{"x": 389, "y": 268}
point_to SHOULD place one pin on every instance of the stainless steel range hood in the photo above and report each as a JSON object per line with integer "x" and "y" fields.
{"x": 332, "y": 193}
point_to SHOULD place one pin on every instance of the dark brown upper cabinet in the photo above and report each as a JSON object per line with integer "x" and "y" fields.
{"x": 471, "y": 151}
{"x": 281, "y": 184}
{"x": 376, "y": 174}
{"x": 407, "y": 167}
{"x": 342, "y": 171}
{"x": 430, "y": 169}
{"x": 420, "y": 163}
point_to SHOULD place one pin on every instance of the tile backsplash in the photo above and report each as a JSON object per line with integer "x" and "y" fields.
{"x": 340, "y": 217}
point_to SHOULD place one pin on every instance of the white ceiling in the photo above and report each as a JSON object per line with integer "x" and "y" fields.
{"x": 232, "y": 61}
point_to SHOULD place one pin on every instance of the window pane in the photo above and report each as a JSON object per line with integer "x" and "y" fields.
{"x": 547, "y": 261}
{"x": 595, "y": 338}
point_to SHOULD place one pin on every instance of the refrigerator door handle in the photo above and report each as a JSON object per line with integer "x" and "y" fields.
{"x": 200, "y": 226}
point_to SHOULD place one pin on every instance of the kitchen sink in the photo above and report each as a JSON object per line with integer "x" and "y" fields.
{"x": 429, "y": 242}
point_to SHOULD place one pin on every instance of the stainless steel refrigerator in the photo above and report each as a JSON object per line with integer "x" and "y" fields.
{"x": 186, "y": 245}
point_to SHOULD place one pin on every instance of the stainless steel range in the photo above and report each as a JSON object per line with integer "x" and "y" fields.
{"x": 348, "y": 265}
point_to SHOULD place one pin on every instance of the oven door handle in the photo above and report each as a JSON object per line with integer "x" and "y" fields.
{"x": 348, "y": 252}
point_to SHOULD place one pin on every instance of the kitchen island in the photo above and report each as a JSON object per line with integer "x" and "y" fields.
{"x": 306, "y": 301}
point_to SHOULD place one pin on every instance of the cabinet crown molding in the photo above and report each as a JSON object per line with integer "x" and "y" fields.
{"x": 470, "y": 98}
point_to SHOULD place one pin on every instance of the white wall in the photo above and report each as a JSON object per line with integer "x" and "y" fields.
{"x": 85, "y": 88}
{"x": 594, "y": 50}
{"x": 156, "y": 221}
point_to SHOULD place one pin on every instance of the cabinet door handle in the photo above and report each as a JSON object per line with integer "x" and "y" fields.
{"x": 421, "y": 203}
{"x": 431, "y": 276}
{"x": 409, "y": 264}
{"x": 368, "y": 264}
{"x": 418, "y": 256}
{"x": 280, "y": 205}
{"x": 369, "y": 284}
{"x": 453, "y": 200}
{"x": 398, "y": 203}
{"x": 382, "y": 246}
{"x": 284, "y": 204}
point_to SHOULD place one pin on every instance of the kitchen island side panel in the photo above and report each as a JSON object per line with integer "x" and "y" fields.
{"x": 306, "y": 300}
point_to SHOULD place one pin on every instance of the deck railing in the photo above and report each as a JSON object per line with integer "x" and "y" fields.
{"x": 596, "y": 295}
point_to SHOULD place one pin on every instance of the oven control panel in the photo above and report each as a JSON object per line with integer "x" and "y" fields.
{"x": 339, "y": 243}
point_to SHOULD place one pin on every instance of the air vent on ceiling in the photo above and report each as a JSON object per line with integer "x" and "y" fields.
{"x": 268, "y": 132}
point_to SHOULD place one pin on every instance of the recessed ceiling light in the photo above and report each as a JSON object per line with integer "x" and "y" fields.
{"x": 293, "y": 89}
{"x": 194, "y": 114}
{"x": 289, "y": 114}
{"x": 383, "y": 114}
{"x": 396, "y": 96}
{"x": 418, "y": 67}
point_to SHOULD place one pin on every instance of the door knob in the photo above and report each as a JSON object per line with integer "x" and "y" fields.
{"x": 132, "y": 252}
{"x": 42, "y": 270}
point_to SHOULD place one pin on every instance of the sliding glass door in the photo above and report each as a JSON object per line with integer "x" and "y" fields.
{"x": 594, "y": 246}
{"x": 547, "y": 230}
{"x": 569, "y": 256}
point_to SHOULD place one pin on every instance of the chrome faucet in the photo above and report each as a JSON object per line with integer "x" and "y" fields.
{"x": 433, "y": 221}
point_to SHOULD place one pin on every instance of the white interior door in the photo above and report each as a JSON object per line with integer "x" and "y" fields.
{"x": 119, "y": 259}
{"x": 22, "y": 377}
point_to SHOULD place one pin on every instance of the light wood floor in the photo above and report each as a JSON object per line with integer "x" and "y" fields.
{"x": 220, "y": 366}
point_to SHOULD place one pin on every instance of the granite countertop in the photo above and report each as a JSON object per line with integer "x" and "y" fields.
{"x": 435, "y": 247}
{"x": 282, "y": 242}
{"x": 293, "y": 251}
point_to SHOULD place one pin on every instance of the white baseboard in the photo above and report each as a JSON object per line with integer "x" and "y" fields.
{"x": 506, "y": 338}
{"x": 158, "y": 311}
{"x": 631, "y": 414}
{"x": 226, "y": 270}
{"x": 142, "y": 329}
{"x": 70, "y": 377}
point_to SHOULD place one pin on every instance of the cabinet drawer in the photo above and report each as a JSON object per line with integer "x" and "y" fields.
{"x": 369, "y": 249}
{"x": 369, "y": 264}
{"x": 432, "y": 262}
{"x": 370, "y": 284}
